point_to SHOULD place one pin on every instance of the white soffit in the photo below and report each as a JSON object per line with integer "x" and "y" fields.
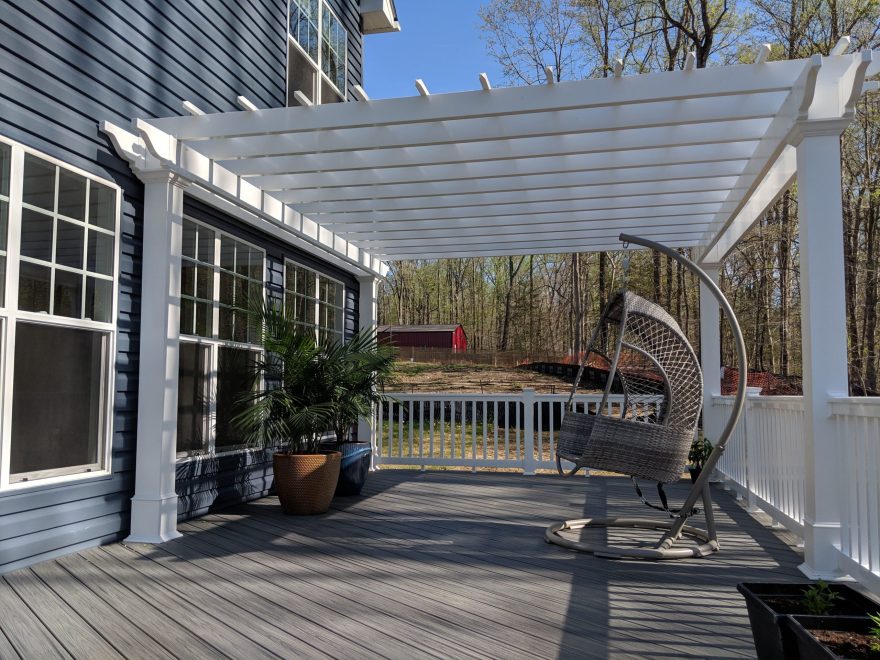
{"x": 684, "y": 158}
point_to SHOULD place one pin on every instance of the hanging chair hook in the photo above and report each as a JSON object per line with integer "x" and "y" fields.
{"x": 627, "y": 256}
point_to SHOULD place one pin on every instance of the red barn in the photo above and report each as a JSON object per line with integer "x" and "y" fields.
{"x": 424, "y": 336}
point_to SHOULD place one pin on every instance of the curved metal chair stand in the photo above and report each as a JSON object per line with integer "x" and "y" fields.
{"x": 673, "y": 530}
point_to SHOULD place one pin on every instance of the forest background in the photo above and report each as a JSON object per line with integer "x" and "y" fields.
{"x": 543, "y": 305}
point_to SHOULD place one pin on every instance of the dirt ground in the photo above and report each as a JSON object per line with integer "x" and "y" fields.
{"x": 471, "y": 378}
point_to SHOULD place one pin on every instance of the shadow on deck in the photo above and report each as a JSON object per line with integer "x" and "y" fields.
{"x": 444, "y": 564}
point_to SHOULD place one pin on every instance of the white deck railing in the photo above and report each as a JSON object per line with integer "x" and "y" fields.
{"x": 764, "y": 460}
{"x": 517, "y": 430}
{"x": 858, "y": 436}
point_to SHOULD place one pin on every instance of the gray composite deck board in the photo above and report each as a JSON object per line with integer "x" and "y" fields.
{"x": 433, "y": 564}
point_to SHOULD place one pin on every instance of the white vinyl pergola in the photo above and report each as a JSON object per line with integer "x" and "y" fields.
{"x": 689, "y": 158}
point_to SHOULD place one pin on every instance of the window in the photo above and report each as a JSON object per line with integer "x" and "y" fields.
{"x": 317, "y": 53}
{"x": 314, "y": 300}
{"x": 58, "y": 247}
{"x": 222, "y": 284}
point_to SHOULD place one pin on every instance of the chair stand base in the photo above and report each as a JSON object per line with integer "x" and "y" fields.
{"x": 663, "y": 550}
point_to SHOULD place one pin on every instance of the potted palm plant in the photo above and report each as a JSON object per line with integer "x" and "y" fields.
{"x": 289, "y": 408}
{"x": 359, "y": 369}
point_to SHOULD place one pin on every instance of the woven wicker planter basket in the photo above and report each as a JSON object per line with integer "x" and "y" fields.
{"x": 306, "y": 482}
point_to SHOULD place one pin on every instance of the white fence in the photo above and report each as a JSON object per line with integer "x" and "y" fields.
{"x": 517, "y": 430}
{"x": 858, "y": 435}
{"x": 764, "y": 462}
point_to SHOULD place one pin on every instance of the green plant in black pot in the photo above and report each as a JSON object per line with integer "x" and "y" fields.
{"x": 360, "y": 369}
{"x": 819, "y": 599}
{"x": 699, "y": 453}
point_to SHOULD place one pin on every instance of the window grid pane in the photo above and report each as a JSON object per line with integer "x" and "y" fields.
{"x": 66, "y": 268}
{"x": 221, "y": 278}
{"x": 314, "y": 301}
{"x": 327, "y": 46}
{"x": 68, "y": 434}
{"x": 68, "y": 242}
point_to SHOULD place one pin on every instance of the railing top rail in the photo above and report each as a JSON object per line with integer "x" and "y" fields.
{"x": 861, "y": 406}
{"x": 777, "y": 402}
{"x": 511, "y": 396}
{"x": 774, "y": 402}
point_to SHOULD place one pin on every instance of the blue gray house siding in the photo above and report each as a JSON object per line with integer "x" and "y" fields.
{"x": 64, "y": 67}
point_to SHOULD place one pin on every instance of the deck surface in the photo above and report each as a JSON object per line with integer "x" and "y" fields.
{"x": 436, "y": 564}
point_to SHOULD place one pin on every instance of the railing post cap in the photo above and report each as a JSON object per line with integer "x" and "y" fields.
{"x": 753, "y": 391}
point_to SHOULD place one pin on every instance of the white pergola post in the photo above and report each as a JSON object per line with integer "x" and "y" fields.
{"x": 154, "y": 505}
{"x": 367, "y": 318}
{"x": 823, "y": 327}
{"x": 710, "y": 354}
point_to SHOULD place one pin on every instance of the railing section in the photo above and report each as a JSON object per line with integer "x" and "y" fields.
{"x": 516, "y": 430}
{"x": 858, "y": 436}
{"x": 764, "y": 459}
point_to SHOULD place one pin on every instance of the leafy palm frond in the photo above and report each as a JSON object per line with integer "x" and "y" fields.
{"x": 303, "y": 387}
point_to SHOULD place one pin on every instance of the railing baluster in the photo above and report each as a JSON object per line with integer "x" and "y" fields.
{"x": 422, "y": 431}
{"x": 431, "y": 452}
{"x": 474, "y": 434}
{"x": 400, "y": 432}
{"x": 539, "y": 432}
{"x": 485, "y": 433}
{"x": 377, "y": 434}
{"x": 410, "y": 428}
{"x": 391, "y": 429}
{"x": 507, "y": 418}
{"x": 495, "y": 429}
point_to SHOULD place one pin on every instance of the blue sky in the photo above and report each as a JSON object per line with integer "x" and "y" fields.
{"x": 440, "y": 43}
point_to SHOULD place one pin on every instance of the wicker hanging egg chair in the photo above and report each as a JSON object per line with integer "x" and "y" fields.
{"x": 647, "y": 430}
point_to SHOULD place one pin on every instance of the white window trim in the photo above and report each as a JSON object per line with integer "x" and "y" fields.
{"x": 214, "y": 343}
{"x": 291, "y": 41}
{"x": 318, "y": 277}
{"x": 10, "y": 315}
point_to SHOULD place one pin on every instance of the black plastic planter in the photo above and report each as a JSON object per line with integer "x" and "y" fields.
{"x": 355, "y": 466}
{"x": 770, "y": 629}
{"x": 810, "y": 648}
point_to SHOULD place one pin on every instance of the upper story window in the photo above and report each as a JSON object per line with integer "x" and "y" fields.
{"x": 317, "y": 53}
{"x": 59, "y": 240}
